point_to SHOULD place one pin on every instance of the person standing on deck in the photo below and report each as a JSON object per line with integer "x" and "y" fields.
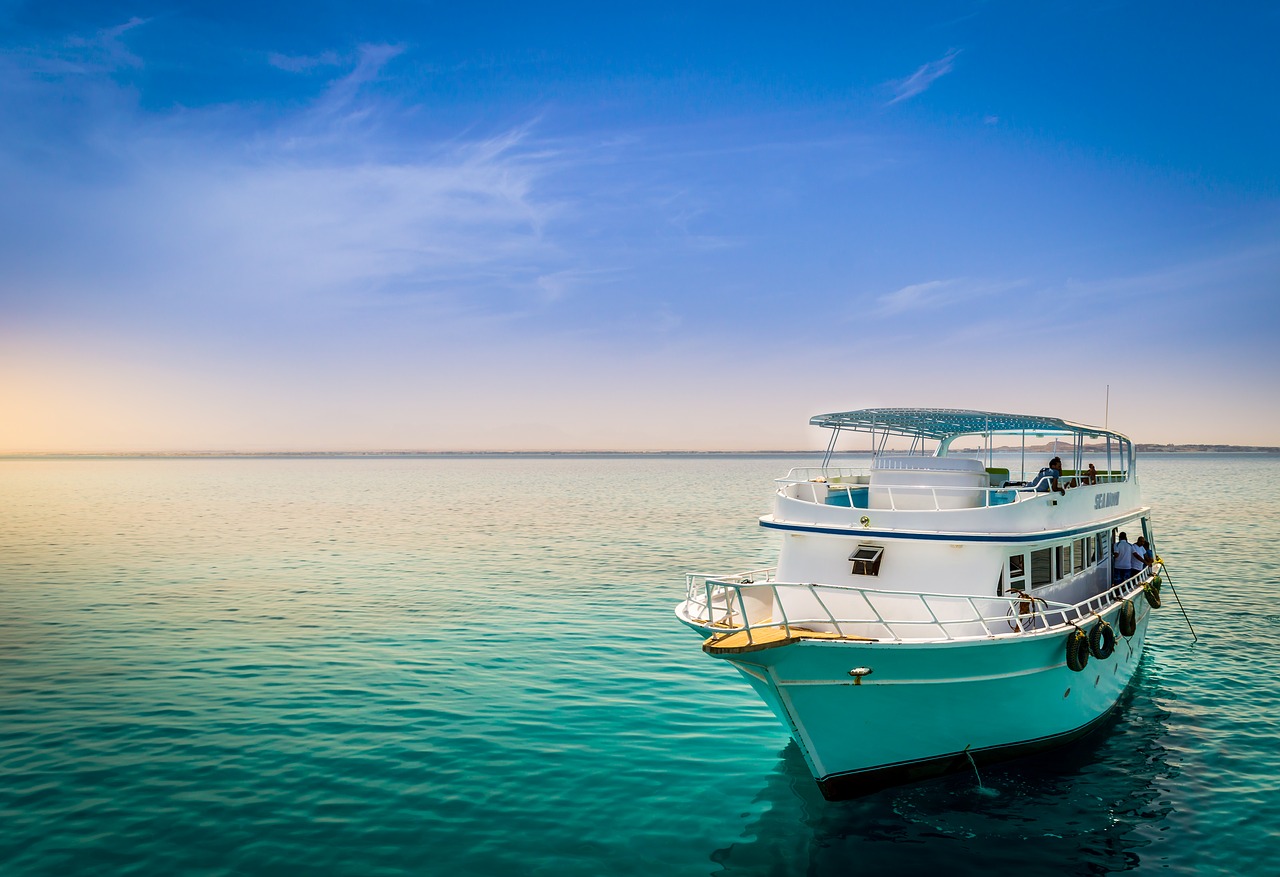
{"x": 1122, "y": 560}
{"x": 1142, "y": 555}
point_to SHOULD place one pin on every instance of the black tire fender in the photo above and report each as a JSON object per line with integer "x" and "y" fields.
{"x": 1102, "y": 640}
{"x": 1128, "y": 618}
{"x": 1152, "y": 593}
{"x": 1077, "y": 649}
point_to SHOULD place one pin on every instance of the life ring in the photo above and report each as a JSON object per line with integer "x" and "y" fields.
{"x": 1128, "y": 618}
{"x": 1152, "y": 593}
{"x": 1077, "y": 649}
{"x": 1102, "y": 640}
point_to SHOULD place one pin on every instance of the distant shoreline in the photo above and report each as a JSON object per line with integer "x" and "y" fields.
{"x": 307, "y": 455}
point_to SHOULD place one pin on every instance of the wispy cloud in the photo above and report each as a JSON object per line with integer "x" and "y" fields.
{"x": 303, "y": 63}
{"x": 352, "y": 206}
{"x": 347, "y": 107}
{"x": 913, "y": 297}
{"x": 458, "y": 230}
{"x": 370, "y": 60}
{"x": 1248, "y": 272}
{"x": 102, "y": 51}
{"x": 935, "y": 294}
{"x": 1174, "y": 294}
{"x": 340, "y": 205}
{"x": 560, "y": 284}
{"x": 918, "y": 82}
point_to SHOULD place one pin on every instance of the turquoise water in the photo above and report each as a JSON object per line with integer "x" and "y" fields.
{"x": 470, "y": 666}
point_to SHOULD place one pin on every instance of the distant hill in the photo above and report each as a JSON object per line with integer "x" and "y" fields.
{"x": 1145, "y": 448}
{"x": 1215, "y": 449}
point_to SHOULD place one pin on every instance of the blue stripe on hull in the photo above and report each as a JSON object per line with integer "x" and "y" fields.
{"x": 863, "y": 533}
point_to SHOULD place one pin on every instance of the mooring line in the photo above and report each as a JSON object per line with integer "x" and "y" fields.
{"x": 1185, "y": 616}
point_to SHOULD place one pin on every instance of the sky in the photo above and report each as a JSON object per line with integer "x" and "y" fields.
{"x": 414, "y": 226}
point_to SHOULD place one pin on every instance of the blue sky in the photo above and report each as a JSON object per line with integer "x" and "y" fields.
{"x": 418, "y": 226}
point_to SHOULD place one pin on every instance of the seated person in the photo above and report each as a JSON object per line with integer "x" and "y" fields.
{"x": 1047, "y": 478}
{"x": 1090, "y": 475}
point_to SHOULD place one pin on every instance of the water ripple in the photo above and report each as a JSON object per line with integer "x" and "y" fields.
{"x": 396, "y": 666}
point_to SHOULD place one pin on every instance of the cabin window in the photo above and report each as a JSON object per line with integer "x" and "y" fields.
{"x": 1104, "y": 546}
{"x": 1041, "y": 567}
{"x": 866, "y": 560}
{"x": 1062, "y": 554}
{"x": 1018, "y": 572}
{"x": 1017, "y": 566}
{"x": 1093, "y": 550}
{"x": 1077, "y": 555}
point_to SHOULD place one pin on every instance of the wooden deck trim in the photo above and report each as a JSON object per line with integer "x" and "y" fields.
{"x": 742, "y": 641}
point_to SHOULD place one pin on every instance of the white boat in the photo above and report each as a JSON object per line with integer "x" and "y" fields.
{"x": 934, "y": 612}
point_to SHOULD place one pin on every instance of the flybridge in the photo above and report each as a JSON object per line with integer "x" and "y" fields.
{"x": 942, "y": 425}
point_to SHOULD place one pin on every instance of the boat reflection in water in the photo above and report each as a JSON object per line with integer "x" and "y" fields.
{"x": 1091, "y": 807}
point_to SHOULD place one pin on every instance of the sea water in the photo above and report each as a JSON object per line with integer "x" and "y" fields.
{"x": 471, "y": 666}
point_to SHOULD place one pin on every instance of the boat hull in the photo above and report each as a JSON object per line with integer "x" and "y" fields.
{"x": 928, "y": 708}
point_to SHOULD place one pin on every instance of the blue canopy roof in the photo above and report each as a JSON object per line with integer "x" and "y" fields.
{"x": 941, "y": 423}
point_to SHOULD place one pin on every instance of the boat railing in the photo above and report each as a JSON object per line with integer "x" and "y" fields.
{"x": 859, "y": 476}
{"x": 913, "y": 497}
{"x": 755, "y": 601}
{"x": 825, "y": 473}
{"x": 902, "y": 497}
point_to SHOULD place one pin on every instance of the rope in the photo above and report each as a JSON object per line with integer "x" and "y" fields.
{"x": 1186, "y": 617}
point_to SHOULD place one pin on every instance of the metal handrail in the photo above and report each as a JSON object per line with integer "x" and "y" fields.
{"x": 920, "y": 490}
{"x": 803, "y": 474}
{"x": 1021, "y": 493}
{"x": 702, "y": 592}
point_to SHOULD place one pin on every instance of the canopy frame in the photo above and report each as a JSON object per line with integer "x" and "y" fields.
{"x": 945, "y": 424}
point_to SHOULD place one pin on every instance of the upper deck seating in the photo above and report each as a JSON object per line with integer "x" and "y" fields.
{"x": 919, "y": 482}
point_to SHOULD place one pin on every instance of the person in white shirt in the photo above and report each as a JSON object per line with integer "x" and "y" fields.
{"x": 1141, "y": 555}
{"x": 1122, "y": 560}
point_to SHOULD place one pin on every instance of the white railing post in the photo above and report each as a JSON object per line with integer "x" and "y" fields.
{"x": 813, "y": 590}
{"x": 782, "y": 610}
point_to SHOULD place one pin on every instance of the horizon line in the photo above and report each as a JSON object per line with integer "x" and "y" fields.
{"x": 1150, "y": 447}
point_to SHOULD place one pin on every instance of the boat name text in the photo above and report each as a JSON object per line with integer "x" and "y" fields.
{"x": 1106, "y": 500}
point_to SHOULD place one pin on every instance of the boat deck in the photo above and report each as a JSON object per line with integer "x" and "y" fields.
{"x": 759, "y": 638}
